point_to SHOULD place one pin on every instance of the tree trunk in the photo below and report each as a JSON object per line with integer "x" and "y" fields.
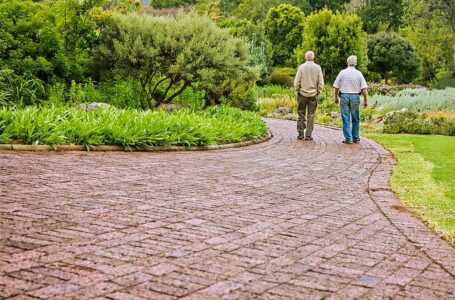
{"x": 386, "y": 78}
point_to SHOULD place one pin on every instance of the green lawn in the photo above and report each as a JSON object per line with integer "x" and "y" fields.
{"x": 424, "y": 178}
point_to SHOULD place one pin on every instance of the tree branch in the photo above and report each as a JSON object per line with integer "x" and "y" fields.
{"x": 185, "y": 85}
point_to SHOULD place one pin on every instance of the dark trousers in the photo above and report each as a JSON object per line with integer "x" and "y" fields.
{"x": 306, "y": 110}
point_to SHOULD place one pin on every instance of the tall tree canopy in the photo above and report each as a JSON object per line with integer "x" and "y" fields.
{"x": 330, "y": 4}
{"x": 429, "y": 28}
{"x": 284, "y": 26}
{"x": 382, "y": 15}
{"x": 334, "y": 37}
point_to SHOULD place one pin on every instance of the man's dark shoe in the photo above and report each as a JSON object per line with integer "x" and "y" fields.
{"x": 300, "y": 138}
{"x": 347, "y": 142}
{"x": 308, "y": 138}
{"x": 357, "y": 141}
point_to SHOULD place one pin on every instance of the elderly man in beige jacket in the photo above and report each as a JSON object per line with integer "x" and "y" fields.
{"x": 309, "y": 82}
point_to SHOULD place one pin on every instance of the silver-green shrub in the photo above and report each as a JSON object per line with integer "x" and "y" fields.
{"x": 418, "y": 100}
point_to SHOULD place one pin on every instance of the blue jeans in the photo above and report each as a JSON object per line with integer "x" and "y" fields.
{"x": 350, "y": 112}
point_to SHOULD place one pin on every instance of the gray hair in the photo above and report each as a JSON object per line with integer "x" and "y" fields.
{"x": 309, "y": 55}
{"x": 352, "y": 61}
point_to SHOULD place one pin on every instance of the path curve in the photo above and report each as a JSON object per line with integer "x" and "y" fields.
{"x": 285, "y": 219}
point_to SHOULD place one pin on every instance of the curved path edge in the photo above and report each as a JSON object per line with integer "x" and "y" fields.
{"x": 111, "y": 148}
{"x": 415, "y": 230}
{"x": 381, "y": 193}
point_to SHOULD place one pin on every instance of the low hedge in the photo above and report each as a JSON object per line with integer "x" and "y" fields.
{"x": 415, "y": 123}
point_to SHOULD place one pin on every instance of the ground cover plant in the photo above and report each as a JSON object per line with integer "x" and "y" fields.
{"x": 418, "y": 100}
{"x": 129, "y": 127}
{"x": 424, "y": 178}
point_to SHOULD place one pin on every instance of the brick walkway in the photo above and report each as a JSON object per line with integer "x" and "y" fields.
{"x": 285, "y": 219}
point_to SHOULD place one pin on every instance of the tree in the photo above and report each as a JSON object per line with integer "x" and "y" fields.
{"x": 228, "y": 6}
{"x": 393, "y": 57}
{"x": 430, "y": 26}
{"x": 256, "y": 10}
{"x": 284, "y": 26}
{"x": 168, "y": 55}
{"x": 51, "y": 39}
{"x": 382, "y": 14}
{"x": 260, "y": 46}
{"x": 209, "y": 8}
{"x": 30, "y": 41}
{"x": 330, "y": 4}
{"x": 334, "y": 37}
{"x": 171, "y": 3}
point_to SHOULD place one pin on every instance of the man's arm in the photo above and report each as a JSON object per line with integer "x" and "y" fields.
{"x": 365, "y": 97}
{"x": 336, "y": 86}
{"x": 298, "y": 79}
{"x": 364, "y": 89}
{"x": 320, "y": 81}
{"x": 337, "y": 96}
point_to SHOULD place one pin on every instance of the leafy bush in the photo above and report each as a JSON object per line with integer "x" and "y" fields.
{"x": 260, "y": 47}
{"x": 418, "y": 100}
{"x": 324, "y": 119}
{"x": 129, "y": 128}
{"x": 19, "y": 90}
{"x": 283, "y": 77}
{"x": 168, "y": 55}
{"x": 447, "y": 81}
{"x": 393, "y": 57}
{"x": 411, "y": 122}
{"x": 269, "y": 105}
{"x": 50, "y": 39}
{"x": 275, "y": 91}
{"x": 191, "y": 98}
{"x": 390, "y": 90}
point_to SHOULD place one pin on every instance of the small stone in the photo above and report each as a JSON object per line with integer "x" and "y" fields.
{"x": 404, "y": 110}
{"x": 334, "y": 115}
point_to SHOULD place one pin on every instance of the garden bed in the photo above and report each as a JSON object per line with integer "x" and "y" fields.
{"x": 65, "y": 128}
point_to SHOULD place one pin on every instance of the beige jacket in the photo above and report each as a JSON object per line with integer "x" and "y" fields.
{"x": 309, "y": 80}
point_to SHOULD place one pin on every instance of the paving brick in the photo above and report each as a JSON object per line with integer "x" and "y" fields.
{"x": 285, "y": 219}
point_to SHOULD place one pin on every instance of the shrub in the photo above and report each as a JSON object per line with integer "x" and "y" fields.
{"x": 168, "y": 55}
{"x": 418, "y": 100}
{"x": 283, "y": 77}
{"x": 323, "y": 119}
{"x": 129, "y": 128}
{"x": 20, "y": 90}
{"x": 191, "y": 98}
{"x": 390, "y": 90}
{"x": 275, "y": 91}
{"x": 414, "y": 123}
{"x": 393, "y": 57}
{"x": 447, "y": 81}
{"x": 267, "y": 106}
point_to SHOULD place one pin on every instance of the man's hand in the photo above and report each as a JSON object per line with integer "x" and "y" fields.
{"x": 337, "y": 100}
{"x": 365, "y": 104}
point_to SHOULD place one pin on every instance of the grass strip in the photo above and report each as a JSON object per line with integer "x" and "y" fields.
{"x": 424, "y": 178}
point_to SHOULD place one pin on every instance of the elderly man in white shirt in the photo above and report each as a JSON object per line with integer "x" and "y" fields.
{"x": 309, "y": 82}
{"x": 348, "y": 85}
